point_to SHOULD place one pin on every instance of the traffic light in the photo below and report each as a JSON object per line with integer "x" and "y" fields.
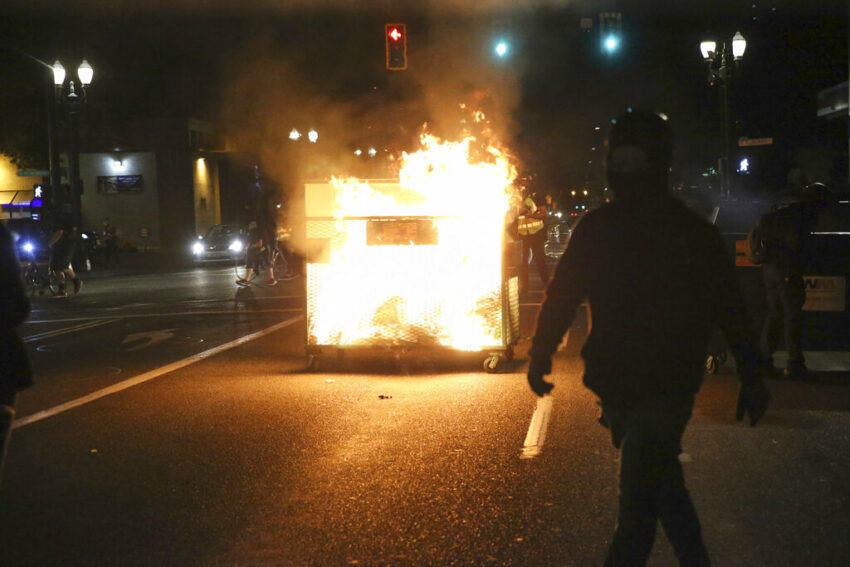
{"x": 396, "y": 39}
{"x": 610, "y": 31}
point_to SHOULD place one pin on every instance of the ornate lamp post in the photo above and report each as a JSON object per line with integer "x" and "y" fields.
{"x": 721, "y": 68}
{"x": 74, "y": 104}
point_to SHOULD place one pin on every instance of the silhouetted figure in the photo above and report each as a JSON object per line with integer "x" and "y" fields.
{"x": 532, "y": 233}
{"x": 786, "y": 235}
{"x": 62, "y": 245}
{"x": 15, "y": 372}
{"x": 658, "y": 279}
{"x": 257, "y": 257}
{"x": 110, "y": 244}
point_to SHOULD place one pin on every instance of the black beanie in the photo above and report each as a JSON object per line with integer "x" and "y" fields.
{"x": 646, "y": 130}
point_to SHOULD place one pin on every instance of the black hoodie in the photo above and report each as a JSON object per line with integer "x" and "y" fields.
{"x": 658, "y": 280}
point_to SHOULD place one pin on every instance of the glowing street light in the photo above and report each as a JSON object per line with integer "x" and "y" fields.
{"x": 294, "y": 134}
{"x": 501, "y": 48}
{"x": 721, "y": 69}
{"x": 312, "y": 135}
{"x": 74, "y": 104}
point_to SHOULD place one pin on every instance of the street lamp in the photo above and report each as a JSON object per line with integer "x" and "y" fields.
{"x": 721, "y": 68}
{"x": 73, "y": 103}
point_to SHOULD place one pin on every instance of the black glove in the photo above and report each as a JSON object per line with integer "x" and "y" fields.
{"x": 537, "y": 369}
{"x": 753, "y": 399}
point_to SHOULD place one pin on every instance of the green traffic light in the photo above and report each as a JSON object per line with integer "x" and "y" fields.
{"x": 611, "y": 43}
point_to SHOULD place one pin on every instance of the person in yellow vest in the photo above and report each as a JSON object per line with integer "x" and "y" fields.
{"x": 532, "y": 232}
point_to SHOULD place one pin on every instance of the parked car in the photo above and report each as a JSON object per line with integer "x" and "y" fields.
{"x": 222, "y": 242}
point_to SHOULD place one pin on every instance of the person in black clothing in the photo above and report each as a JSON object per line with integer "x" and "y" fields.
{"x": 62, "y": 245}
{"x": 110, "y": 243}
{"x": 658, "y": 278}
{"x": 786, "y": 236}
{"x": 256, "y": 257}
{"x": 15, "y": 371}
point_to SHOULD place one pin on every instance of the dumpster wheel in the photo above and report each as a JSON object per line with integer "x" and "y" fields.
{"x": 492, "y": 363}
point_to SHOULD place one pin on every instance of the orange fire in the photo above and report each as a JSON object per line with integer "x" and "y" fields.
{"x": 416, "y": 260}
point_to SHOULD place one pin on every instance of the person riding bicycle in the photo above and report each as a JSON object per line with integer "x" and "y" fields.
{"x": 62, "y": 245}
{"x": 257, "y": 256}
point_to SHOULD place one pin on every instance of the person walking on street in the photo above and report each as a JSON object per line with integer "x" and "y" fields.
{"x": 532, "y": 232}
{"x": 658, "y": 279}
{"x": 256, "y": 257}
{"x": 785, "y": 236}
{"x": 15, "y": 371}
{"x": 110, "y": 243}
{"x": 62, "y": 245}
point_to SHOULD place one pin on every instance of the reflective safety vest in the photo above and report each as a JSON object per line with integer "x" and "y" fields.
{"x": 529, "y": 225}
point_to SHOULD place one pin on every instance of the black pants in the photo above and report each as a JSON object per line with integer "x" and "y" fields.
{"x": 648, "y": 434}
{"x": 534, "y": 244}
{"x": 785, "y": 296}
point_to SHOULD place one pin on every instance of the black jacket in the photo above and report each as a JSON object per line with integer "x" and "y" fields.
{"x": 658, "y": 280}
{"x": 15, "y": 372}
{"x": 787, "y": 236}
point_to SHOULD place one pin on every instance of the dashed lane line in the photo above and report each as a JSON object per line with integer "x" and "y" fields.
{"x": 141, "y": 378}
{"x": 536, "y": 435}
{"x": 92, "y": 322}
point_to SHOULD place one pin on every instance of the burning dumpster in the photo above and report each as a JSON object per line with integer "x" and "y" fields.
{"x": 415, "y": 261}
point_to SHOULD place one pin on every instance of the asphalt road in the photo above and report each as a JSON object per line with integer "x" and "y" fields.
{"x": 244, "y": 458}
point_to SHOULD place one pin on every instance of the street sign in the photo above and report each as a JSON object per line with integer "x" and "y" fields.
{"x": 742, "y": 142}
{"x": 33, "y": 173}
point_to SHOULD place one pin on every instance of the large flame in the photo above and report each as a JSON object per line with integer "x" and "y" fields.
{"x": 443, "y": 292}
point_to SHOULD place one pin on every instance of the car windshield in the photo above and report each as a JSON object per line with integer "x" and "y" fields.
{"x": 222, "y": 231}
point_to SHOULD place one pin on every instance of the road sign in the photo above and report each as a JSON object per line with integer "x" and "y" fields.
{"x": 33, "y": 173}
{"x": 755, "y": 142}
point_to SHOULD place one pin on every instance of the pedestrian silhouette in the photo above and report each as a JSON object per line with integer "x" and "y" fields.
{"x": 15, "y": 372}
{"x": 785, "y": 239}
{"x": 658, "y": 279}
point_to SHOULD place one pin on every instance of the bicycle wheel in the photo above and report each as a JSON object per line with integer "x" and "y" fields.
{"x": 30, "y": 276}
{"x": 49, "y": 281}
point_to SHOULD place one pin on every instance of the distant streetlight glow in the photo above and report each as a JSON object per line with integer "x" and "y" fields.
{"x": 373, "y": 152}
{"x": 86, "y": 73}
{"x": 312, "y": 135}
{"x": 294, "y": 134}
{"x": 501, "y": 48}
{"x": 739, "y": 45}
{"x": 58, "y": 74}
{"x": 611, "y": 44}
{"x": 707, "y": 48}
{"x": 358, "y": 152}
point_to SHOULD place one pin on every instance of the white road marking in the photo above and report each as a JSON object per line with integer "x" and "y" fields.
{"x": 141, "y": 378}
{"x": 180, "y": 313}
{"x": 92, "y": 322}
{"x": 149, "y": 338}
{"x": 536, "y": 435}
{"x": 232, "y": 299}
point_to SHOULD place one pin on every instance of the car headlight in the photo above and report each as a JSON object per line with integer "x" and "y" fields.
{"x": 236, "y": 246}
{"x": 28, "y": 247}
{"x": 197, "y": 248}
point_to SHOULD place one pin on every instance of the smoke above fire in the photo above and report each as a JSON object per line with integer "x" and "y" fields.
{"x": 275, "y": 89}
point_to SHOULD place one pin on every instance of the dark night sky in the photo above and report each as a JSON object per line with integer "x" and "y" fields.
{"x": 278, "y": 62}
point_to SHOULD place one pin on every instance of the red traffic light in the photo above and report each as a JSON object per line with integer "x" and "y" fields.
{"x": 396, "y": 40}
